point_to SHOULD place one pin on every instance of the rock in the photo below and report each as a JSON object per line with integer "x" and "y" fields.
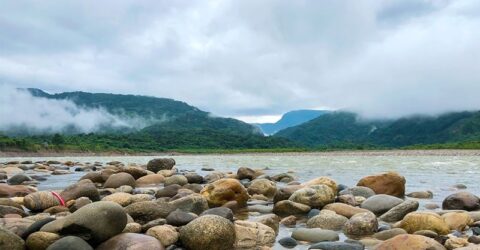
{"x": 95, "y": 222}
{"x": 95, "y": 177}
{"x": 142, "y": 197}
{"x": 337, "y": 246}
{"x": 390, "y": 183}
{"x": 390, "y": 233}
{"x": 132, "y": 227}
{"x": 123, "y": 199}
{"x": 176, "y": 179}
{"x": 409, "y": 241}
{"x": 283, "y": 177}
{"x": 431, "y": 206}
{"x": 263, "y": 209}
{"x": 56, "y": 210}
{"x": 10, "y": 241}
{"x": 461, "y": 201}
{"x": 253, "y": 235}
{"x": 362, "y": 224}
{"x": 348, "y": 199}
{"x": 193, "y": 203}
{"x": 18, "y": 179}
{"x": 220, "y": 211}
{"x": 474, "y": 239}
{"x": 150, "y": 180}
{"x": 246, "y": 173}
{"x": 70, "y": 243}
{"x": 327, "y": 219}
{"x": 156, "y": 165}
{"x": 456, "y": 242}
{"x": 270, "y": 220}
{"x": 427, "y": 233}
{"x": 131, "y": 241}
{"x": 136, "y": 172}
{"x": 83, "y": 188}
{"x": 222, "y": 191}
{"x": 421, "y": 195}
{"x": 41, "y": 200}
{"x": 417, "y": 221}
{"x": 344, "y": 209}
{"x": 380, "y": 203}
{"x": 145, "y": 211}
{"x": 166, "y": 234}
{"x": 316, "y": 196}
{"x": 179, "y": 218}
{"x": 80, "y": 202}
{"x": 168, "y": 191}
{"x": 120, "y": 179}
{"x": 358, "y": 191}
{"x": 322, "y": 181}
{"x": 284, "y": 193}
{"x": 287, "y": 207}
{"x": 194, "y": 178}
{"x": 288, "y": 242}
{"x": 314, "y": 235}
{"x": 208, "y": 232}
{"x": 399, "y": 211}
{"x": 7, "y": 191}
{"x": 262, "y": 186}
{"x": 36, "y": 226}
{"x": 9, "y": 202}
{"x": 457, "y": 221}
{"x": 289, "y": 221}
{"x": 12, "y": 170}
{"x": 8, "y": 210}
{"x": 16, "y": 225}
{"x": 41, "y": 240}
{"x": 153, "y": 223}
{"x": 313, "y": 212}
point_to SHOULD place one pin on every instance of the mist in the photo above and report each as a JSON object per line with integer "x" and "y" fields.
{"x": 22, "y": 113}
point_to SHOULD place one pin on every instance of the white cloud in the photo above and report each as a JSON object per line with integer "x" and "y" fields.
{"x": 252, "y": 58}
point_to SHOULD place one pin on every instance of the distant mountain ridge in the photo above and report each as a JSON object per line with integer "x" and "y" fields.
{"x": 290, "y": 119}
{"x": 348, "y": 128}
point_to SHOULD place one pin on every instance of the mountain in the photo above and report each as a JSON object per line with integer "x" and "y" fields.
{"x": 349, "y": 129}
{"x": 290, "y": 119}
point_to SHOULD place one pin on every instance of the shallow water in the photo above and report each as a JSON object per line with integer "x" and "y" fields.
{"x": 436, "y": 173}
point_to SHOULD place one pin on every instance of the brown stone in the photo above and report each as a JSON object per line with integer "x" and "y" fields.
{"x": 390, "y": 183}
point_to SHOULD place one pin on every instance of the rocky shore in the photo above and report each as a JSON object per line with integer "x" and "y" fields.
{"x": 158, "y": 206}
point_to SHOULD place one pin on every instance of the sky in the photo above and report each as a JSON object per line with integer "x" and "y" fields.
{"x": 252, "y": 59}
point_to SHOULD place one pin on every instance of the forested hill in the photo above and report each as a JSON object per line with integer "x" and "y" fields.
{"x": 348, "y": 128}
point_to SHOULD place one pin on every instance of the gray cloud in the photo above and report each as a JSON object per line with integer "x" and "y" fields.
{"x": 250, "y": 58}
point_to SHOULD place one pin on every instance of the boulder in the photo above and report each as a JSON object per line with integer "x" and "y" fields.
{"x": 389, "y": 233}
{"x": 360, "y": 225}
{"x": 180, "y": 218}
{"x": 168, "y": 191}
{"x": 70, "y": 243}
{"x": 457, "y": 243}
{"x": 194, "y": 178}
{"x": 193, "y": 203}
{"x": 409, "y": 241}
{"x": 41, "y": 240}
{"x": 123, "y": 199}
{"x": 176, "y": 179}
{"x": 7, "y": 191}
{"x": 390, "y": 183}
{"x": 284, "y": 193}
{"x": 337, "y": 246}
{"x": 421, "y": 195}
{"x": 120, "y": 179}
{"x": 208, "y": 232}
{"x": 322, "y": 181}
{"x": 417, "y": 221}
{"x": 253, "y": 235}
{"x": 314, "y": 235}
{"x": 10, "y": 241}
{"x": 262, "y": 186}
{"x": 457, "y": 221}
{"x": 41, "y": 200}
{"x": 345, "y": 209}
{"x": 18, "y": 179}
{"x": 271, "y": 220}
{"x": 158, "y": 164}
{"x": 9, "y": 202}
{"x": 327, "y": 219}
{"x": 224, "y": 212}
{"x": 131, "y": 241}
{"x": 166, "y": 234}
{"x": 95, "y": 177}
{"x": 246, "y": 173}
{"x": 287, "y": 242}
{"x": 224, "y": 190}
{"x": 83, "y": 188}
{"x": 145, "y": 211}
{"x": 461, "y": 201}
{"x": 380, "y": 203}
{"x": 136, "y": 172}
{"x": 214, "y": 176}
{"x": 16, "y": 225}
{"x": 8, "y": 210}
{"x": 95, "y": 222}
{"x": 150, "y": 180}
{"x": 358, "y": 191}
{"x": 132, "y": 227}
{"x": 315, "y": 196}
{"x": 287, "y": 207}
{"x": 399, "y": 211}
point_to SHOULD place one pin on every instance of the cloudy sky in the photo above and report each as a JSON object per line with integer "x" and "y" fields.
{"x": 252, "y": 59}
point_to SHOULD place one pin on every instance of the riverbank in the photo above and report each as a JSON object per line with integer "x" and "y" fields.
{"x": 393, "y": 152}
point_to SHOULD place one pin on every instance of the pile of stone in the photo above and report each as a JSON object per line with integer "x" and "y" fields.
{"x": 156, "y": 206}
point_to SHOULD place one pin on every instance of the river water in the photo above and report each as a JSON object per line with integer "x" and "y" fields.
{"x": 437, "y": 173}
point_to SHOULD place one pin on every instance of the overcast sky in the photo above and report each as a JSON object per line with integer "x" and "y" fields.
{"x": 252, "y": 59}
